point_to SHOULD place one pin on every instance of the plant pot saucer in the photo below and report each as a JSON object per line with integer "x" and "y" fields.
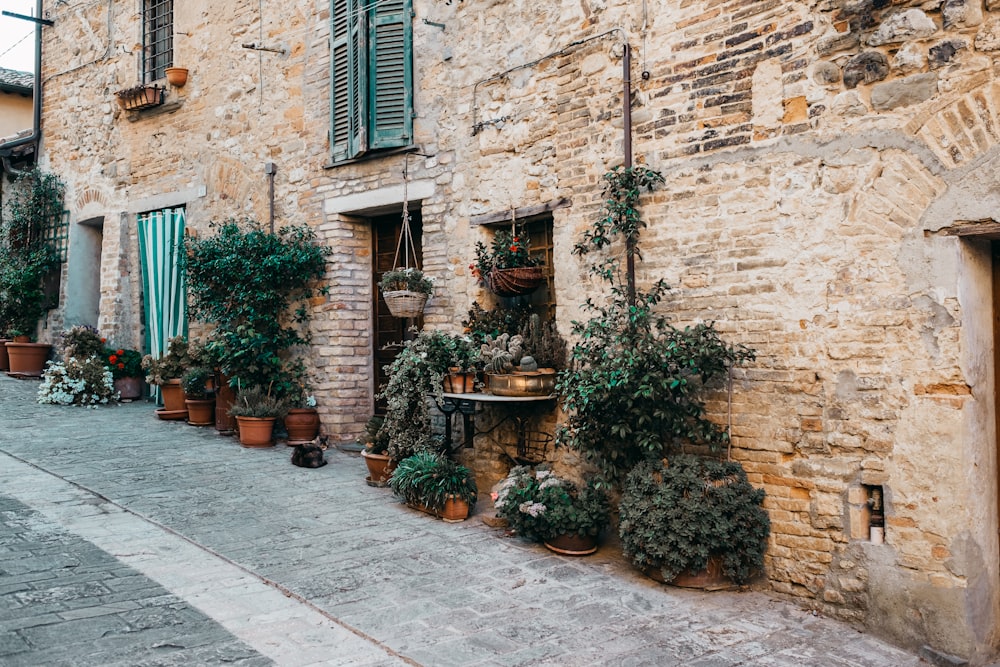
{"x": 171, "y": 415}
{"x": 296, "y": 443}
{"x": 377, "y": 485}
{"x": 211, "y": 423}
{"x": 24, "y": 376}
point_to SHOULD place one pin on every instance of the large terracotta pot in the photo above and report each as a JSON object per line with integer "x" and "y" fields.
{"x": 572, "y": 544}
{"x": 4, "y": 359}
{"x": 455, "y": 510}
{"x": 709, "y": 579}
{"x": 380, "y": 468}
{"x": 28, "y": 358}
{"x": 302, "y": 425}
{"x": 201, "y": 411}
{"x": 173, "y": 396}
{"x": 256, "y": 431}
{"x": 129, "y": 389}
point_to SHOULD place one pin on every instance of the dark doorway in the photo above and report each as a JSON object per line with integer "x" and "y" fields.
{"x": 389, "y": 331}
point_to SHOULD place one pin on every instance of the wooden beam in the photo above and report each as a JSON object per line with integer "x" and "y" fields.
{"x": 987, "y": 227}
{"x": 519, "y": 213}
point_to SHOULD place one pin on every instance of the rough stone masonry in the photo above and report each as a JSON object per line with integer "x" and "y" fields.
{"x": 831, "y": 201}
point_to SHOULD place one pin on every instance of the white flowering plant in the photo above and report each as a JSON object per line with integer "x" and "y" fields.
{"x": 77, "y": 382}
{"x": 539, "y": 505}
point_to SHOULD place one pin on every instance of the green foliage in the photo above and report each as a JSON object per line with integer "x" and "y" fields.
{"x": 372, "y": 441}
{"x": 25, "y": 259}
{"x": 82, "y": 342}
{"x": 430, "y": 479}
{"x": 412, "y": 280}
{"x": 634, "y": 389}
{"x": 508, "y": 250}
{"x": 417, "y": 373}
{"x": 256, "y": 401}
{"x": 170, "y": 366}
{"x": 676, "y": 514}
{"x": 543, "y": 342}
{"x": 194, "y": 381}
{"x": 540, "y": 506}
{"x": 254, "y": 286}
{"x": 77, "y": 381}
{"x": 123, "y": 362}
{"x": 496, "y": 321}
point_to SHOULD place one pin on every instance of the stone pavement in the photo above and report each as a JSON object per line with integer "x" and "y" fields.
{"x": 125, "y": 540}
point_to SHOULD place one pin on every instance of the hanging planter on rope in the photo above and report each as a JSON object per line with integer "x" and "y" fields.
{"x": 405, "y": 289}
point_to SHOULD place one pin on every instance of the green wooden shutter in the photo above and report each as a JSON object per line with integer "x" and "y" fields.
{"x": 348, "y": 104}
{"x": 391, "y": 79}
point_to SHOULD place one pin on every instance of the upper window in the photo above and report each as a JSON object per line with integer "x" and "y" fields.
{"x": 371, "y": 76}
{"x": 157, "y": 38}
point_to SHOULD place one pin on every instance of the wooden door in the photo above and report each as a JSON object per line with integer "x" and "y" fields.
{"x": 389, "y": 330}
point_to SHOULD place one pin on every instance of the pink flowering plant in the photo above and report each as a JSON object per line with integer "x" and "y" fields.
{"x": 538, "y": 505}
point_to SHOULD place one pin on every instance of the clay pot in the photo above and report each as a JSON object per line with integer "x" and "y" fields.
{"x": 302, "y": 425}
{"x": 28, "y": 358}
{"x": 173, "y": 396}
{"x": 709, "y": 579}
{"x": 201, "y": 411}
{"x": 380, "y": 468}
{"x": 176, "y": 76}
{"x": 572, "y": 544}
{"x": 129, "y": 389}
{"x": 455, "y": 510}
{"x": 4, "y": 359}
{"x": 459, "y": 383}
{"x": 225, "y": 423}
{"x": 256, "y": 431}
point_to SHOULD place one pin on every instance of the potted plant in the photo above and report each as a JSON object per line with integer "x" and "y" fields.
{"x": 507, "y": 267}
{"x": 302, "y": 418}
{"x": 254, "y": 287}
{"x": 416, "y": 379}
{"x": 198, "y": 398}
{"x": 80, "y": 378}
{"x": 566, "y": 518}
{"x": 176, "y": 76}
{"x": 256, "y": 409}
{"x": 406, "y": 291}
{"x": 375, "y": 453}
{"x": 126, "y": 368}
{"x": 690, "y": 520}
{"x": 435, "y": 484}
{"x": 141, "y": 96}
{"x": 165, "y": 371}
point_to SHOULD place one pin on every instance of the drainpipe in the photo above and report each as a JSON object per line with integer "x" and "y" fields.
{"x": 627, "y": 149}
{"x": 36, "y": 132}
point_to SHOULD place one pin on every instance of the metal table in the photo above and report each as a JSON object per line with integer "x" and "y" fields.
{"x": 466, "y": 405}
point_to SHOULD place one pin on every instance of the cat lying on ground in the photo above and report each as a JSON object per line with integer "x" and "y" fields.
{"x": 310, "y": 455}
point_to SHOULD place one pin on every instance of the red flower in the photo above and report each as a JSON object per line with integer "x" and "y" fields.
{"x": 121, "y": 367}
{"x": 113, "y": 358}
{"x": 104, "y": 340}
{"x": 517, "y": 239}
{"x": 513, "y": 248}
{"x": 121, "y": 352}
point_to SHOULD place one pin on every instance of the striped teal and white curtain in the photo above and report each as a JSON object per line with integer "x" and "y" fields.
{"x": 163, "y": 287}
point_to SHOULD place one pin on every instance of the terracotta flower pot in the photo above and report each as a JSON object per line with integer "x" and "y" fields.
{"x": 460, "y": 383}
{"x": 256, "y": 431}
{"x": 28, "y": 358}
{"x": 572, "y": 544}
{"x": 455, "y": 510}
{"x": 4, "y": 359}
{"x": 176, "y": 76}
{"x": 380, "y": 467}
{"x": 201, "y": 411}
{"x": 129, "y": 389}
{"x": 709, "y": 579}
{"x": 225, "y": 423}
{"x": 302, "y": 425}
{"x": 173, "y": 396}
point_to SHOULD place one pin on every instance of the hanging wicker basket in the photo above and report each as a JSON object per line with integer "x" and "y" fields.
{"x": 404, "y": 303}
{"x": 515, "y": 282}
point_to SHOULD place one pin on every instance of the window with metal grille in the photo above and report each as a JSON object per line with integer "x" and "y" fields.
{"x": 539, "y": 231}
{"x": 157, "y": 38}
{"x": 371, "y": 80}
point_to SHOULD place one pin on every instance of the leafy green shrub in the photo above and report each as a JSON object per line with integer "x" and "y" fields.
{"x": 170, "y": 366}
{"x": 194, "y": 383}
{"x": 257, "y": 401}
{"x": 496, "y": 321}
{"x": 540, "y": 506}
{"x": 430, "y": 479}
{"x": 123, "y": 362}
{"x": 254, "y": 286}
{"x": 676, "y": 514}
{"x": 412, "y": 280}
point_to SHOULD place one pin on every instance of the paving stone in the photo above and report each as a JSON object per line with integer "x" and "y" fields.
{"x": 168, "y": 545}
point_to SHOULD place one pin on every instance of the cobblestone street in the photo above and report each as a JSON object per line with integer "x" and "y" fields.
{"x": 125, "y": 540}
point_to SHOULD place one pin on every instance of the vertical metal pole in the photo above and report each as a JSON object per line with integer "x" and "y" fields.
{"x": 270, "y": 169}
{"x": 627, "y": 144}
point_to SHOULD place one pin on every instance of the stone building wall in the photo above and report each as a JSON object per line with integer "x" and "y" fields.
{"x": 829, "y": 199}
